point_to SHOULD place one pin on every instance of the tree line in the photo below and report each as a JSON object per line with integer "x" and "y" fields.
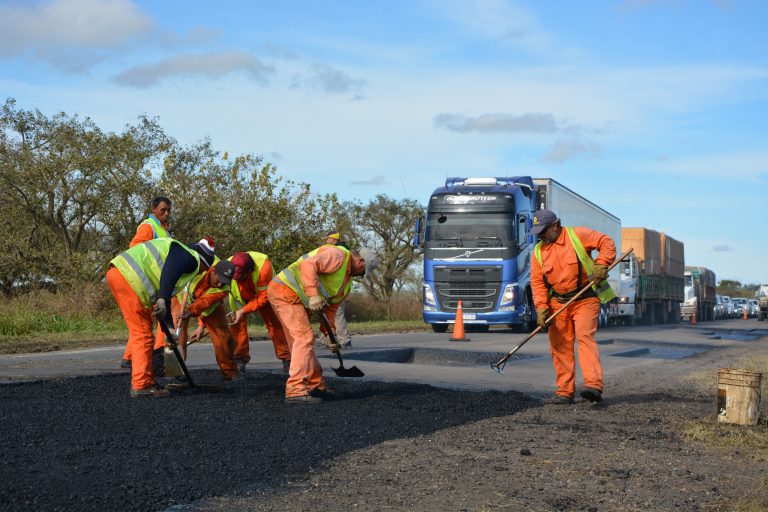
{"x": 72, "y": 194}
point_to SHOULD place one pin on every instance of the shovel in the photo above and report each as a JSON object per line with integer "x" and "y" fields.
{"x": 174, "y": 342}
{"x": 340, "y": 371}
{"x": 499, "y": 365}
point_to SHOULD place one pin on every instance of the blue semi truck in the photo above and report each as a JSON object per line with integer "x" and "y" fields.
{"x": 477, "y": 247}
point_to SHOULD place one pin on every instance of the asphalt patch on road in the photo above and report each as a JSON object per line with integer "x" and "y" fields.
{"x": 83, "y": 444}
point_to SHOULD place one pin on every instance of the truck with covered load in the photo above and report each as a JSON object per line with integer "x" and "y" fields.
{"x": 699, "y": 294}
{"x": 651, "y": 286}
{"x": 477, "y": 247}
{"x": 762, "y": 301}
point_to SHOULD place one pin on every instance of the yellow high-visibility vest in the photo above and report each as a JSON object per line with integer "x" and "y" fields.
{"x": 235, "y": 299}
{"x": 329, "y": 285}
{"x": 604, "y": 291}
{"x": 142, "y": 264}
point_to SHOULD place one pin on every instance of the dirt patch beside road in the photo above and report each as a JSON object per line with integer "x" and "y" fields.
{"x": 82, "y": 444}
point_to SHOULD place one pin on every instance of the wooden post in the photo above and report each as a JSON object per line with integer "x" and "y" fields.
{"x": 738, "y": 396}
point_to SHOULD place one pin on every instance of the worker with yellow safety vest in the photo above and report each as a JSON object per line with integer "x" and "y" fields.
{"x": 248, "y": 294}
{"x": 206, "y": 292}
{"x": 154, "y": 226}
{"x": 322, "y": 276}
{"x": 142, "y": 280}
{"x": 562, "y": 265}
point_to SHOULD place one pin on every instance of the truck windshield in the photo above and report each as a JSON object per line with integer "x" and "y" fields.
{"x": 688, "y": 280}
{"x": 490, "y": 229}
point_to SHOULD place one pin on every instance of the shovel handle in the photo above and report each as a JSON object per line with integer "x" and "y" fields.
{"x": 331, "y": 334}
{"x": 174, "y": 342}
{"x": 499, "y": 365}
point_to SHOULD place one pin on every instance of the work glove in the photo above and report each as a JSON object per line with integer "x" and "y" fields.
{"x": 185, "y": 314}
{"x": 315, "y": 303}
{"x": 541, "y": 316}
{"x": 600, "y": 272}
{"x": 160, "y": 310}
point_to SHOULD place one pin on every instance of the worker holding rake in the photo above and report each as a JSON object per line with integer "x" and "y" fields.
{"x": 561, "y": 266}
{"x": 322, "y": 276}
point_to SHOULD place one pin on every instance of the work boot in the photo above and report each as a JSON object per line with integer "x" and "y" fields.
{"x": 303, "y": 399}
{"x": 240, "y": 363}
{"x": 325, "y": 393}
{"x": 286, "y": 366}
{"x": 238, "y": 377}
{"x": 150, "y": 392}
{"x": 125, "y": 363}
{"x": 560, "y": 400}
{"x": 592, "y": 394}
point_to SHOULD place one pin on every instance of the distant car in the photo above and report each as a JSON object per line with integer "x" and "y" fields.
{"x": 730, "y": 309}
{"x": 740, "y": 304}
{"x": 719, "y": 307}
{"x": 754, "y": 308}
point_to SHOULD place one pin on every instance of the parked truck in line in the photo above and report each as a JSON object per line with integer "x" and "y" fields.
{"x": 762, "y": 299}
{"x": 699, "y": 294}
{"x": 477, "y": 247}
{"x": 651, "y": 286}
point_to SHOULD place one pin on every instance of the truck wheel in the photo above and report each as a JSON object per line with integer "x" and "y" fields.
{"x": 760, "y": 317}
{"x": 440, "y": 327}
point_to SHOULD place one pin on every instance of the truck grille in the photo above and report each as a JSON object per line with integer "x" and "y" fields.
{"x": 476, "y": 287}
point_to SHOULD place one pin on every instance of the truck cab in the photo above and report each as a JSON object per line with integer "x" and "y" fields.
{"x": 477, "y": 250}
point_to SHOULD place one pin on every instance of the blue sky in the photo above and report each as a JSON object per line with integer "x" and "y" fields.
{"x": 655, "y": 110}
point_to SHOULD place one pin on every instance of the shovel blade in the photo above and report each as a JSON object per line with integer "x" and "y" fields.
{"x": 348, "y": 372}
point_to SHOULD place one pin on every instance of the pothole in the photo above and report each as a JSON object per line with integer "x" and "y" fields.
{"x": 430, "y": 356}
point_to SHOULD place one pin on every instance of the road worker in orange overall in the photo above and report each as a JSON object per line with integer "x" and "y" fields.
{"x": 154, "y": 226}
{"x": 323, "y": 276}
{"x": 248, "y": 294}
{"x": 142, "y": 280}
{"x": 206, "y": 292}
{"x": 561, "y": 265}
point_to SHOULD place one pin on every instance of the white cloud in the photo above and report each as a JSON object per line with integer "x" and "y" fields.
{"x": 495, "y": 123}
{"x": 374, "y": 181}
{"x": 71, "y": 34}
{"x": 209, "y": 65}
{"x": 722, "y": 248}
{"x": 329, "y": 80}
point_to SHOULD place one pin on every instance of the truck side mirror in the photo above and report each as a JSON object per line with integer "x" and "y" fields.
{"x": 418, "y": 237}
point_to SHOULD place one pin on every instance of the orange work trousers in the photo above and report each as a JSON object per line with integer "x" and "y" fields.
{"x": 138, "y": 319}
{"x": 305, "y": 373}
{"x": 275, "y": 329}
{"x": 221, "y": 339}
{"x": 159, "y": 335}
{"x": 577, "y": 322}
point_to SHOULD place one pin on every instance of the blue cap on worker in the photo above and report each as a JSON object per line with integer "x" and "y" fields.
{"x": 541, "y": 221}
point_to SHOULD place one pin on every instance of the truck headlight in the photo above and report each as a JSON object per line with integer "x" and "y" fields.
{"x": 508, "y": 297}
{"x": 623, "y": 300}
{"x": 428, "y": 296}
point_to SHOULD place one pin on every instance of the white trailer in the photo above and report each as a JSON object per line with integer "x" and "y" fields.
{"x": 574, "y": 210}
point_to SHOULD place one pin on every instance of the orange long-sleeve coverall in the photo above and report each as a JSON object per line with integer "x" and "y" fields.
{"x": 256, "y": 300}
{"x": 579, "y": 321}
{"x": 144, "y": 233}
{"x": 216, "y": 322}
{"x": 305, "y": 374}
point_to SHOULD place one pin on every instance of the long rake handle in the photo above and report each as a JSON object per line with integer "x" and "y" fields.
{"x": 499, "y": 365}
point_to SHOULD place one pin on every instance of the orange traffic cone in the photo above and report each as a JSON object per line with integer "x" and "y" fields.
{"x": 458, "y": 326}
{"x": 744, "y": 307}
{"x": 693, "y": 316}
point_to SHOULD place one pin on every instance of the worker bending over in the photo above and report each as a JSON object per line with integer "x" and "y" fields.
{"x": 323, "y": 276}
{"x": 142, "y": 280}
{"x": 561, "y": 266}
{"x": 206, "y": 292}
{"x": 248, "y": 294}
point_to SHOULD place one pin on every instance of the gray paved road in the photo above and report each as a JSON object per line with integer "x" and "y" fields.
{"x": 430, "y": 358}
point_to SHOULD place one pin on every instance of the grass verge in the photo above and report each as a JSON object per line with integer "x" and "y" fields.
{"x": 46, "y": 333}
